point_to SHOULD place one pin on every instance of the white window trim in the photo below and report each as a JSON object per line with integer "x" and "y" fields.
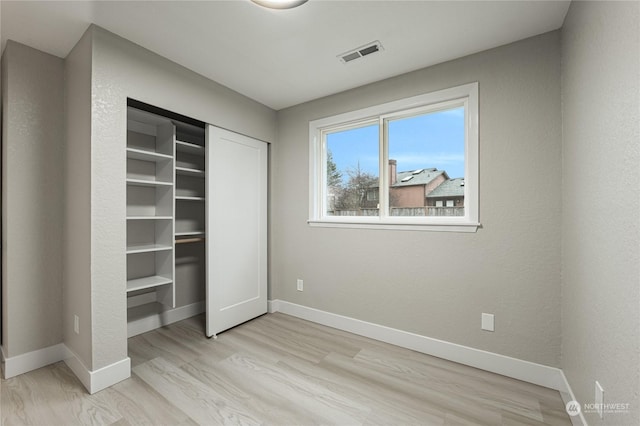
{"x": 467, "y": 94}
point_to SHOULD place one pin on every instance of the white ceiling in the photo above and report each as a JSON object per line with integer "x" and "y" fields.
{"x": 286, "y": 57}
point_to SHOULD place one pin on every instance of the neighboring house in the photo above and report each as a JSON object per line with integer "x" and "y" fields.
{"x": 448, "y": 194}
{"x": 411, "y": 191}
{"x": 411, "y": 187}
{"x": 408, "y": 189}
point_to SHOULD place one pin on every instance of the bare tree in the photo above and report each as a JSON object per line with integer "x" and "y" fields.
{"x": 352, "y": 195}
{"x": 334, "y": 176}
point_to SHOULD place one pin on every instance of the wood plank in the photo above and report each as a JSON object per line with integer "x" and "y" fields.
{"x": 51, "y": 396}
{"x": 139, "y": 404}
{"x": 291, "y": 399}
{"x": 204, "y": 404}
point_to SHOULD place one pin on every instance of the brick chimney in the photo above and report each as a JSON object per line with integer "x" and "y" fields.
{"x": 393, "y": 173}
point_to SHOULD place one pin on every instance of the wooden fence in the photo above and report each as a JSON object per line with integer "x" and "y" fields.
{"x": 404, "y": 211}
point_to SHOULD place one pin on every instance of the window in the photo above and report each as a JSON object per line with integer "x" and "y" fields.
{"x": 410, "y": 164}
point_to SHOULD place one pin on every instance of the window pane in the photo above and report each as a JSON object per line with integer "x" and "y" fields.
{"x": 426, "y": 164}
{"x": 352, "y": 165}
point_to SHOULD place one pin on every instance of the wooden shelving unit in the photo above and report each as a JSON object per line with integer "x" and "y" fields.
{"x": 165, "y": 216}
{"x": 150, "y": 205}
{"x": 190, "y": 186}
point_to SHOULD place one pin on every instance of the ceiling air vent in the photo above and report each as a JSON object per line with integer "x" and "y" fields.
{"x": 367, "y": 49}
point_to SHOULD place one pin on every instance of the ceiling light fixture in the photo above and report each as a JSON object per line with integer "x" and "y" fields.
{"x": 279, "y": 4}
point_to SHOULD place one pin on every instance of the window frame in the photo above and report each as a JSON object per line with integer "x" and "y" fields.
{"x": 465, "y": 95}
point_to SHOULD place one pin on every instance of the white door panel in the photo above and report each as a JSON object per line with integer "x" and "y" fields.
{"x": 236, "y": 229}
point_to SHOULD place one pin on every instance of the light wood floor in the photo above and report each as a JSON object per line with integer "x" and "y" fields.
{"x": 278, "y": 370}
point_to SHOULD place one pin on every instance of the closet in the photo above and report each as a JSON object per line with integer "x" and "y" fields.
{"x": 196, "y": 222}
{"x": 165, "y": 219}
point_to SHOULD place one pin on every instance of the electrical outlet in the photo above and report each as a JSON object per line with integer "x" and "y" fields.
{"x": 599, "y": 400}
{"x": 487, "y": 322}
{"x": 300, "y": 285}
{"x": 76, "y": 324}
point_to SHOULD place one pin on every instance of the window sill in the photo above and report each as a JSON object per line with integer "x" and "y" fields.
{"x": 399, "y": 226}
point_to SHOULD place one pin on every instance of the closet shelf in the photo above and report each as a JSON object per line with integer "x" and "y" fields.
{"x": 183, "y": 198}
{"x": 189, "y": 240}
{"x": 147, "y": 282}
{"x": 146, "y": 248}
{"x": 189, "y": 147}
{"x": 185, "y": 171}
{"x": 143, "y": 182}
{"x": 149, "y": 217}
{"x": 141, "y": 154}
{"x": 190, "y": 234}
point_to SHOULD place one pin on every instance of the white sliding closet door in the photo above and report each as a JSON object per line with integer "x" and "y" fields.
{"x": 236, "y": 229}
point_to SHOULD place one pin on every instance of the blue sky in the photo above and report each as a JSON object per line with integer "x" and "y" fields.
{"x": 424, "y": 141}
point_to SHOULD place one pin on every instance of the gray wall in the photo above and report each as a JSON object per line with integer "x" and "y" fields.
{"x": 121, "y": 69}
{"x": 64, "y": 215}
{"x": 32, "y": 199}
{"x": 77, "y": 218}
{"x": 601, "y": 209}
{"x": 435, "y": 283}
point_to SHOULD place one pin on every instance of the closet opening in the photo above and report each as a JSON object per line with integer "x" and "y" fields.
{"x": 166, "y": 250}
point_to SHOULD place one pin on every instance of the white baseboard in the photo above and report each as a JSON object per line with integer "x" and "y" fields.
{"x": 23, "y": 363}
{"x": 157, "y": 320}
{"x": 568, "y": 395}
{"x": 94, "y": 381}
{"x": 97, "y": 380}
{"x": 531, "y": 372}
{"x": 273, "y": 306}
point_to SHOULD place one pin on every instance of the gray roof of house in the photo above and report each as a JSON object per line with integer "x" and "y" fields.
{"x": 449, "y": 188}
{"x": 418, "y": 177}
